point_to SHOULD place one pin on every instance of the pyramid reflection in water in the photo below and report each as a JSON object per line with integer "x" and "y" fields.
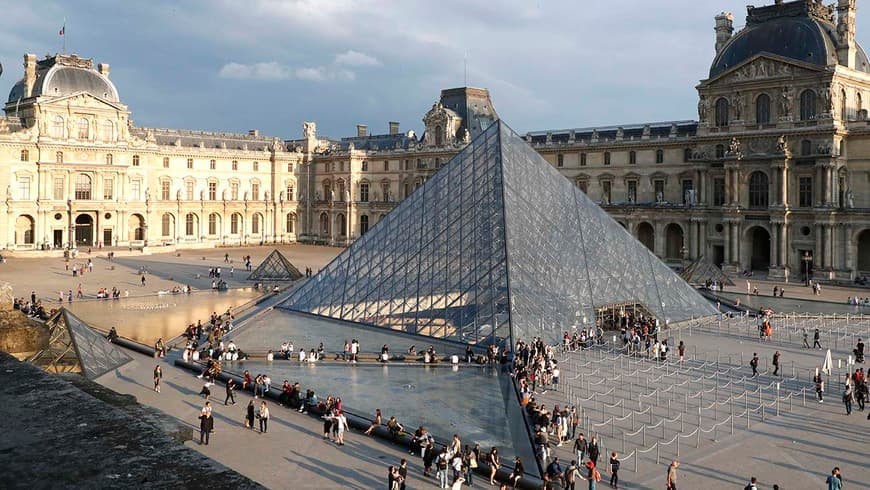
{"x": 495, "y": 247}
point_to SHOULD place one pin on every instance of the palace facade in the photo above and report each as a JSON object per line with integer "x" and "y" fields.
{"x": 773, "y": 176}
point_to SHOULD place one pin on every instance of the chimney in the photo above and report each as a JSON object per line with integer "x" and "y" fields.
{"x": 724, "y": 29}
{"x": 29, "y": 74}
{"x": 394, "y": 127}
{"x": 103, "y": 68}
{"x": 362, "y": 130}
{"x": 253, "y": 132}
{"x": 846, "y": 50}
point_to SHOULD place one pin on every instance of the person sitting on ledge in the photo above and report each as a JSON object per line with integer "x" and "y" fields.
{"x": 112, "y": 335}
{"x": 395, "y": 428}
{"x": 159, "y": 348}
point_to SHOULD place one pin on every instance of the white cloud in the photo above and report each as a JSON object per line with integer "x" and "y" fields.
{"x": 355, "y": 58}
{"x": 273, "y": 70}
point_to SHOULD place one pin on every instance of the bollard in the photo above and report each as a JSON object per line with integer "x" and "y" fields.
{"x": 635, "y": 460}
{"x": 732, "y": 423}
{"x": 698, "y": 443}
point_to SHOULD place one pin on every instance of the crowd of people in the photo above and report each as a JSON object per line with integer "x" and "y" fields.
{"x": 33, "y": 308}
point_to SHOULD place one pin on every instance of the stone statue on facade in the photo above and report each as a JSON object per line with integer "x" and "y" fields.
{"x": 734, "y": 147}
{"x": 781, "y": 144}
{"x": 828, "y": 97}
{"x": 786, "y": 101}
{"x": 738, "y": 101}
{"x": 466, "y": 136}
{"x": 660, "y": 198}
{"x": 309, "y": 129}
{"x": 850, "y": 199}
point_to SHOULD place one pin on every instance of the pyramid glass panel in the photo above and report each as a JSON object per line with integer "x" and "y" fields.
{"x": 496, "y": 246}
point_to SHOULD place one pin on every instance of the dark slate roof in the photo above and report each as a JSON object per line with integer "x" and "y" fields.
{"x": 802, "y": 31}
{"x": 204, "y": 139}
{"x": 63, "y": 75}
{"x": 378, "y": 142}
{"x": 630, "y": 132}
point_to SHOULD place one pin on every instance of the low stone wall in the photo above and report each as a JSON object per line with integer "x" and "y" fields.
{"x": 55, "y": 435}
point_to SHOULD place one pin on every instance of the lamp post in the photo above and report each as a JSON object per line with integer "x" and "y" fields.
{"x": 807, "y": 258}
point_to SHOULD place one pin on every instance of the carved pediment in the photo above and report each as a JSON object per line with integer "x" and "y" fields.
{"x": 764, "y": 66}
{"x": 83, "y": 99}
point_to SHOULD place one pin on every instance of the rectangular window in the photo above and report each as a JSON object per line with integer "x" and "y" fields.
{"x": 58, "y": 190}
{"x": 234, "y": 191}
{"x": 560, "y": 160}
{"x": 135, "y": 160}
{"x": 584, "y": 186}
{"x": 24, "y": 188}
{"x": 289, "y": 167}
{"x": 632, "y": 158}
{"x": 386, "y": 165}
{"x": 290, "y": 192}
{"x": 659, "y": 190}
{"x": 165, "y": 162}
{"x": 605, "y": 191}
{"x": 164, "y": 190}
{"x": 607, "y": 158}
{"x": 235, "y": 164}
{"x": 256, "y": 166}
{"x": 108, "y": 189}
{"x": 212, "y": 192}
{"x": 188, "y": 190}
{"x": 805, "y": 192}
{"x": 212, "y": 224}
{"x": 632, "y": 191}
{"x": 719, "y": 191}
{"x": 364, "y": 192}
{"x": 255, "y": 191}
{"x": 136, "y": 190}
{"x": 582, "y": 159}
{"x": 212, "y": 165}
{"x": 385, "y": 191}
{"x": 190, "y": 163}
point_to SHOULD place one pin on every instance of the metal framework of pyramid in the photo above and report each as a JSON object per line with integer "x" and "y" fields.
{"x": 276, "y": 267}
{"x": 702, "y": 270}
{"x": 495, "y": 247}
{"x": 73, "y": 346}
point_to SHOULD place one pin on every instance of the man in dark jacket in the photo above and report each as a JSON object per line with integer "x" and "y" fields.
{"x": 206, "y": 425}
{"x": 231, "y": 387}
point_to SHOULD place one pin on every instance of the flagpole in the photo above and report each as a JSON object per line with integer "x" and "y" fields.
{"x": 63, "y": 37}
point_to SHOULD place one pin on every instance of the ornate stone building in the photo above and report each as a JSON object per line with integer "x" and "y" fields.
{"x": 773, "y": 176}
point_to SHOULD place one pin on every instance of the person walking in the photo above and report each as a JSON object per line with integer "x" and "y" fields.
{"x": 776, "y": 356}
{"x": 263, "y": 415}
{"x": 752, "y": 484}
{"x": 341, "y": 425}
{"x": 816, "y": 337}
{"x": 820, "y": 386}
{"x": 848, "y": 397}
{"x": 206, "y": 423}
{"x": 594, "y": 452}
{"x": 580, "y": 446}
{"x": 671, "y": 479}
{"x": 571, "y": 475}
{"x": 249, "y": 417}
{"x": 614, "y": 470}
{"x": 494, "y": 462}
{"x": 231, "y": 388}
{"x": 835, "y": 480}
{"x": 158, "y": 375}
{"x": 806, "y": 341}
{"x": 754, "y": 364}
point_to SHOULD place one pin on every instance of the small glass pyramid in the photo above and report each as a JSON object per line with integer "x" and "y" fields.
{"x": 275, "y": 267}
{"x": 495, "y": 247}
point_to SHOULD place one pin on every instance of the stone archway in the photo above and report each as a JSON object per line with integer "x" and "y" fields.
{"x": 646, "y": 234}
{"x": 758, "y": 248}
{"x": 136, "y": 227}
{"x": 863, "y": 249}
{"x": 674, "y": 241}
{"x": 25, "y": 230}
{"x": 84, "y": 224}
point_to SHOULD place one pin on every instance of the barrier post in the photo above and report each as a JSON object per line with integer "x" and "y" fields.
{"x": 657, "y": 453}
{"x": 698, "y": 442}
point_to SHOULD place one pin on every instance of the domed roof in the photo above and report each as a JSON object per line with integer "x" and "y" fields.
{"x": 798, "y": 35}
{"x": 60, "y": 76}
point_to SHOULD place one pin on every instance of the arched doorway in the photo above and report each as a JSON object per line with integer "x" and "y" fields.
{"x": 25, "y": 229}
{"x": 864, "y": 252}
{"x": 759, "y": 247}
{"x": 647, "y": 235}
{"x": 84, "y": 229}
{"x": 136, "y": 224}
{"x": 324, "y": 225}
{"x": 674, "y": 241}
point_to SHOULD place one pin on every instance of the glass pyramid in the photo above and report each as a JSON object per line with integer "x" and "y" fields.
{"x": 73, "y": 346}
{"x": 495, "y": 247}
{"x": 275, "y": 267}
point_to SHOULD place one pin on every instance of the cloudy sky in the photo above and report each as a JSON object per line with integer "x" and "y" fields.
{"x": 233, "y": 65}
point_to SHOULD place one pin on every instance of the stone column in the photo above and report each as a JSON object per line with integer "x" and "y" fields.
{"x": 774, "y": 245}
{"x": 702, "y": 238}
{"x": 783, "y": 245}
{"x": 727, "y": 186}
{"x": 728, "y": 226}
{"x": 829, "y": 246}
{"x": 774, "y": 194}
{"x": 783, "y": 186}
{"x": 818, "y": 253}
{"x": 847, "y": 248}
{"x": 735, "y": 242}
{"x": 832, "y": 186}
{"x": 819, "y": 195}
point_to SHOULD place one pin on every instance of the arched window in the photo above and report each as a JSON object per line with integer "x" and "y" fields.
{"x": 83, "y": 187}
{"x": 806, "y": 147}
{"x": 57, "y": 127}
{"x": 720, "y": 151}
{"x": 84, "y": 129}
{"x": 291, "y": 222}
{"x": 439, "y": 138}
{"x": 109, "y": 159}
{"x": 324, "y": 224}
{"x": 660, "y": 156}
{"x": 762, "y": 109}
{"x": 342, "y": 225}
{"x": 363, "y": 224}
{"x": 758, "y": 190}
{"x": 255, "y": 224}
{"x": 808, "y": 105}
{"x": 234, "y": 223}
{"x": 166, "y": 224}
{"x": 25, "y": 155}
{"x": 190, "y": 224}
{"x": 722, "y": 111}
{"x": 844, "y": 105}
{"x": 212, "y": 224}
{"x": 108, "y": 130}
{"x": 632, "y": 157}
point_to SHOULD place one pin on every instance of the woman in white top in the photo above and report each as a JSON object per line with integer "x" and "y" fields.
{"x": 302, "y": 357}
{"x": 341, "y": 423}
